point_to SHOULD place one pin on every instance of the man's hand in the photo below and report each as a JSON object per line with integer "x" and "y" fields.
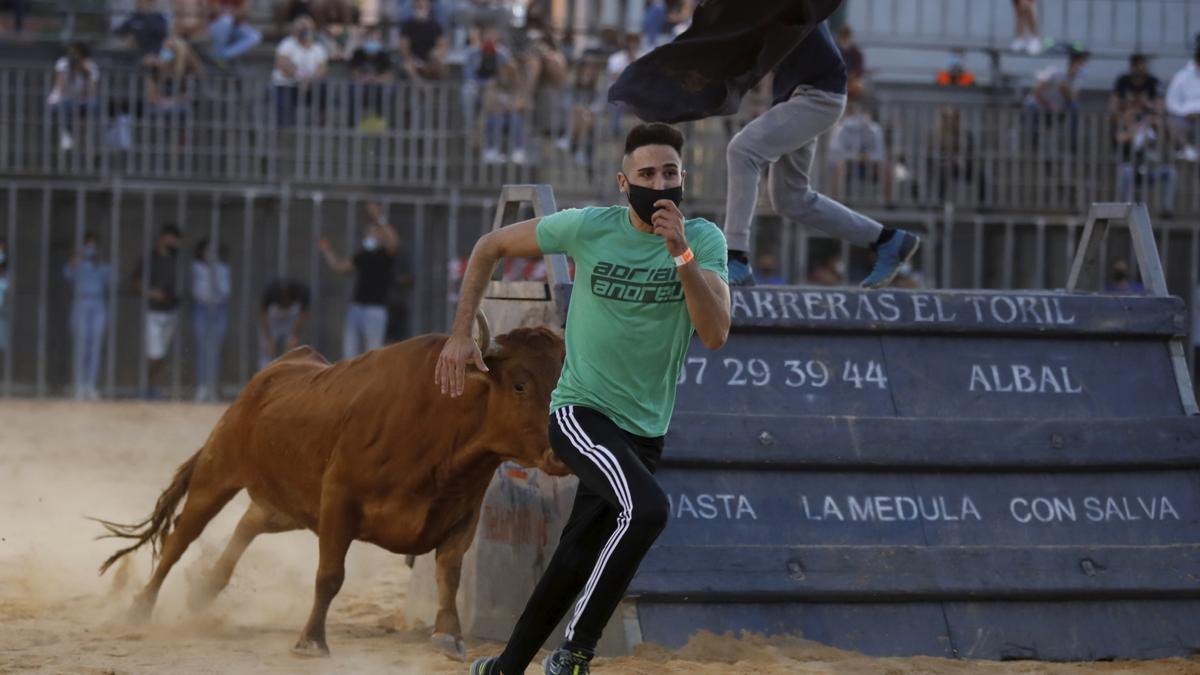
{"x": 668, "y": 224}
{"x": 451, "y": 370}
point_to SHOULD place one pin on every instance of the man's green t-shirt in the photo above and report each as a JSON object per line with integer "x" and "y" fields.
{"x": 628, "y": 327}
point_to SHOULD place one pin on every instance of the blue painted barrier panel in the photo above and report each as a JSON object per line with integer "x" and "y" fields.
{"x": 992, "y": 475}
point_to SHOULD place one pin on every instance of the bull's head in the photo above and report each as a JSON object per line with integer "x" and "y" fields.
{"x": 523, "y": 366}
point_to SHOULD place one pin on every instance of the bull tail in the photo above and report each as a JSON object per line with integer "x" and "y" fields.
{"x": 155, "y": 528}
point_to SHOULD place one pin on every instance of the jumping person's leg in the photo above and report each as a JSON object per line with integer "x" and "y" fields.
{"x": 619, "y": 512}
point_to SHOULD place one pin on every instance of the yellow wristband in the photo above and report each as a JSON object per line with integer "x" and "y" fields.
{"x": 685, "y": 258}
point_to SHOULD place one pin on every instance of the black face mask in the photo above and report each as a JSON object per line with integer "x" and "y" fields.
{"x": 641, "y": 199}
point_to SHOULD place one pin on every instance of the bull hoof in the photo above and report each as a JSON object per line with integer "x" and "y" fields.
{"x": 140, "y": 612}
{"x": 310, "y": 649}
{"x": 450, "y": 645}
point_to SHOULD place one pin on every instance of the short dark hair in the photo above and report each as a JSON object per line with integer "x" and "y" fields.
{"x": 655, "y": 133}
{"x": 1078, "y": 54}
{"x": 1136, "y": 58}
{"x": 90, "y": 235}
{"x": 170, "y": 228}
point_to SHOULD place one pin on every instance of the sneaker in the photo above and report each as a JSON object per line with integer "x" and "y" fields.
{"x": 201, "y": 394}
{"x": 563, "y": 143}
{"x": 566, "y": 662}
{"x": 66, "y": 142}
{"x": 485, "y": 665}
{"x": 518, "y": 157}
{"x": 493, "y": 156}
{"x": 1018, "y": 44}
{"x": 890, "y": 256}
{"x": 740, "y": 273}
{"x": 1188, "y": 153}
{"x": 1033, "y": 46}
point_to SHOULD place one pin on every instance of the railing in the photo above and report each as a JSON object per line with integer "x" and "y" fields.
{"x": 420, "y": 138}
{"x": 1117, "y": 27}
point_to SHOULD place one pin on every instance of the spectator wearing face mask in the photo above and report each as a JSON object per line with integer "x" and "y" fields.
{"x": 300, "y": 66}
{"x": 154, "y": 276}
{"x": 372, "y": 70}
{"x": 366, "y": 317}
{"x": 211, "y": 286}
{"x": 423, "y": 44}
{"x": 89, "y": 281}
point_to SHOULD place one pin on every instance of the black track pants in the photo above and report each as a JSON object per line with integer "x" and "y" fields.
{"x": 619, "y": 511}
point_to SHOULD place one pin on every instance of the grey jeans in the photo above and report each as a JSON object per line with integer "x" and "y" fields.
{"x": 786, "y": 138}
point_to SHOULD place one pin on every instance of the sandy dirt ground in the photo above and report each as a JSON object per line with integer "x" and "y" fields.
{"x": 60, "y": 462}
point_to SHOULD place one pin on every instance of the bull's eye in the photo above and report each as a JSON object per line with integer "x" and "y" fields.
{"x": 520, "y": 386}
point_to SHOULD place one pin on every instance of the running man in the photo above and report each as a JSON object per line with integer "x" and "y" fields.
{"x": 809, "y": 98}
{"x": 645, "y": 278}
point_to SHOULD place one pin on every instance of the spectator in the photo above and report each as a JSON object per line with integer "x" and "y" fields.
{"x": 952, "y": 156}
{"x": 585, "y": 99}
{"x": 147, "y": 27}
{"x": 481, "y": 65}
{"x": 423, "y": 44}
{"x": 19, "y": 9}
{"x": 170, "y": 80}
{"x": 188, "y": 18}
{"x": 1056, "y": 90}
{"x": 5, "y": 303}
{"x": 1137, "y": 86}
{"x": 231, "y": 34}
{"x": 1140, "y": 139}
{"x": 1025, "y": 17}
{"x": 337, "y": 24}
{"x": 1119, "y": 281}
{"x": 162, "y": 301}
{"x": 300, "y": 66}
{"x": 542, "y": 65}
{"x": 282, "y": 319}
{"x": 856, "y": 68}
{"x": 767, "y": 266}
{"x": 366, "y": 317}
{"x": 956, "y": 73}
{"x": 74, "y": 93}
{"x": 654, "y": 23}
{"x": 504, "y": 102}
{"x": 1183, "y": 106}
{"x": 372, "y": 71}
{"x": 211, "y": 288}
{"x": 89, "y": 315}
{"x": 829, "y": 270}
{"x": 679, "y": 16}
{"x": 287, "y": 11}
{"x": 857, "y": 148}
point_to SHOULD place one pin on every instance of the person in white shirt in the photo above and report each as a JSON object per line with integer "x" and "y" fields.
{"x": 300, "y": 65}
{"x": 74, "y": 91}
{"x": 1183, "y": 107}
{"x": 211, "y": 287}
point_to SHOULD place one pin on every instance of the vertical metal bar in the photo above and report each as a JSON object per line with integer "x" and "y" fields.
{"x": 180, "y": 294}
{"x": 246, "y": 301}
{"x": 1039, "y": 255}
{"x": 316, "y": 323}
{"x": 1009, "y": 261}
{"x": 43, "y": 292}
{"x": 76, "y": 247}
{"x": 281, "y": 257}
{"x": 421, "y": 281}
{"x": 977, "y": 254}
{"x": 114, "y": 258}
{"x": 11, "y": 273}
{"x": 451, "y": 255}
{"x": 147, "y": 219}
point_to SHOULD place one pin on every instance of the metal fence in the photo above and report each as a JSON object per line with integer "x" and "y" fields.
{"x": 1107, "y": 26}
{"x": 420, "y": 138}
{"x": 271, "y": 232}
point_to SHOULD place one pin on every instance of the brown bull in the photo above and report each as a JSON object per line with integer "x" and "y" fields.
{"x": 365, "y": 449}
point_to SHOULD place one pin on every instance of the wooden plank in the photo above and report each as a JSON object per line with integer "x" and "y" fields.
{"x": 878, "y": 573}
{"x": 776, "y": 441}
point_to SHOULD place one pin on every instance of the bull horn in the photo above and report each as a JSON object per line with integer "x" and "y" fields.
{"x": 485, "y": 332}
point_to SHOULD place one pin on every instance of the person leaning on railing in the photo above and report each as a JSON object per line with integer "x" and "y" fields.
{"x": 74, "y": 93}
{"x": 300, "y": 65}
{"x": 1183, "y": 106}
{"x": 147, "y": 29}
{"x": 171, "y": 77}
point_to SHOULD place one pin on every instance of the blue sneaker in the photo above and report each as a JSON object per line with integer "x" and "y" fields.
{"x": 740, "y": 273}
{"x": 566, "y": 662}
{"x": 485, "y": 665}
{"x": 890, "y": 256}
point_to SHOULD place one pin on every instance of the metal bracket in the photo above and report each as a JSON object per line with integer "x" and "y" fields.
{"x": 1085, "y": 267}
